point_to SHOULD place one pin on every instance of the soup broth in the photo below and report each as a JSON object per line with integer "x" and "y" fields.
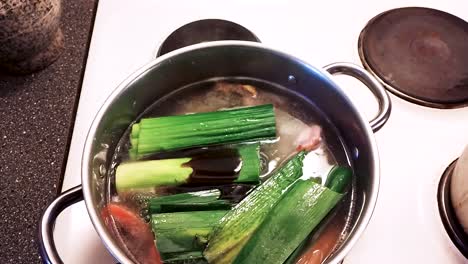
{"x": 294, "y": 115}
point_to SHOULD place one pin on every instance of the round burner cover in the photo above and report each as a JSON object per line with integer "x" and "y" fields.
{"x": 420, "y": 54}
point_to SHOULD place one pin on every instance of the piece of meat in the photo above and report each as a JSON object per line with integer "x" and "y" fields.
{"x": 309, "y": 139}
{"x": 134, "y": 232}
{"x": 245, "y": 93}
{"x": 235, "y": 88}
{"x": 251, "y": 89}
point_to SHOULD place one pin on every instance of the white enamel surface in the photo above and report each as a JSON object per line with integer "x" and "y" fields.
{"x": 415, "y": 145}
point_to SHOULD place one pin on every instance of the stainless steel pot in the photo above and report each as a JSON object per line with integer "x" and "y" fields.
{"x": 225, "y": 59}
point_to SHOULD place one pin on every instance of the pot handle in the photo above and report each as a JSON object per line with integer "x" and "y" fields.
{"x": 371, "y": 82}
{"x": 46, "y": 229}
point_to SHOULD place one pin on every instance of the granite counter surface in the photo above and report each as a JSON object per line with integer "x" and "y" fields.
{"x": 36, "y": 119}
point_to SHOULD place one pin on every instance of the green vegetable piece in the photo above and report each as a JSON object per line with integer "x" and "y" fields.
{"x": 151, "y": 173}
{"x": 316, "y": 180}
{"x": 201, "y": 129}
{"x": 339, "y": 178}
{"x": 238, "y": 225}
{"x": 189, "y": 197}
{"x": 207, "y": 196}
{"x": 289, "y": 223}
{"x": 173, "y": 172}
{"x": 184, "y": 231}
{"x": 250, "y": 156}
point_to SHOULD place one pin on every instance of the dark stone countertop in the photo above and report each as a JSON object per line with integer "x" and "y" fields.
{"x": 36, "y": 118}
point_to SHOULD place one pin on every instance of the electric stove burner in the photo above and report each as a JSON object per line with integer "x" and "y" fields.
{"x": 419, "y": 54}
{"x": 447, "y": 213}
{"x": 203, "y": 31}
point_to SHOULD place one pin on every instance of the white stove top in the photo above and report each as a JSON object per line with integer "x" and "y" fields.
{"x": 415, "y": 145}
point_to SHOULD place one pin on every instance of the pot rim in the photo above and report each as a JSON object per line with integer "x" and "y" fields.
{"x": 364, "y": 216}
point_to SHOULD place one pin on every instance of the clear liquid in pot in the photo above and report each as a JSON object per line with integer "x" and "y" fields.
{"x": 294, "y": 114}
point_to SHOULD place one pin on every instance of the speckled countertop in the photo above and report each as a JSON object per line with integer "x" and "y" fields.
{"x": 36, "y": 118}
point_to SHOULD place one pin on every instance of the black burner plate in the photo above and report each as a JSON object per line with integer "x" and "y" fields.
{"x": 203, "y": 31}
{"x": 420, "y": 54}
